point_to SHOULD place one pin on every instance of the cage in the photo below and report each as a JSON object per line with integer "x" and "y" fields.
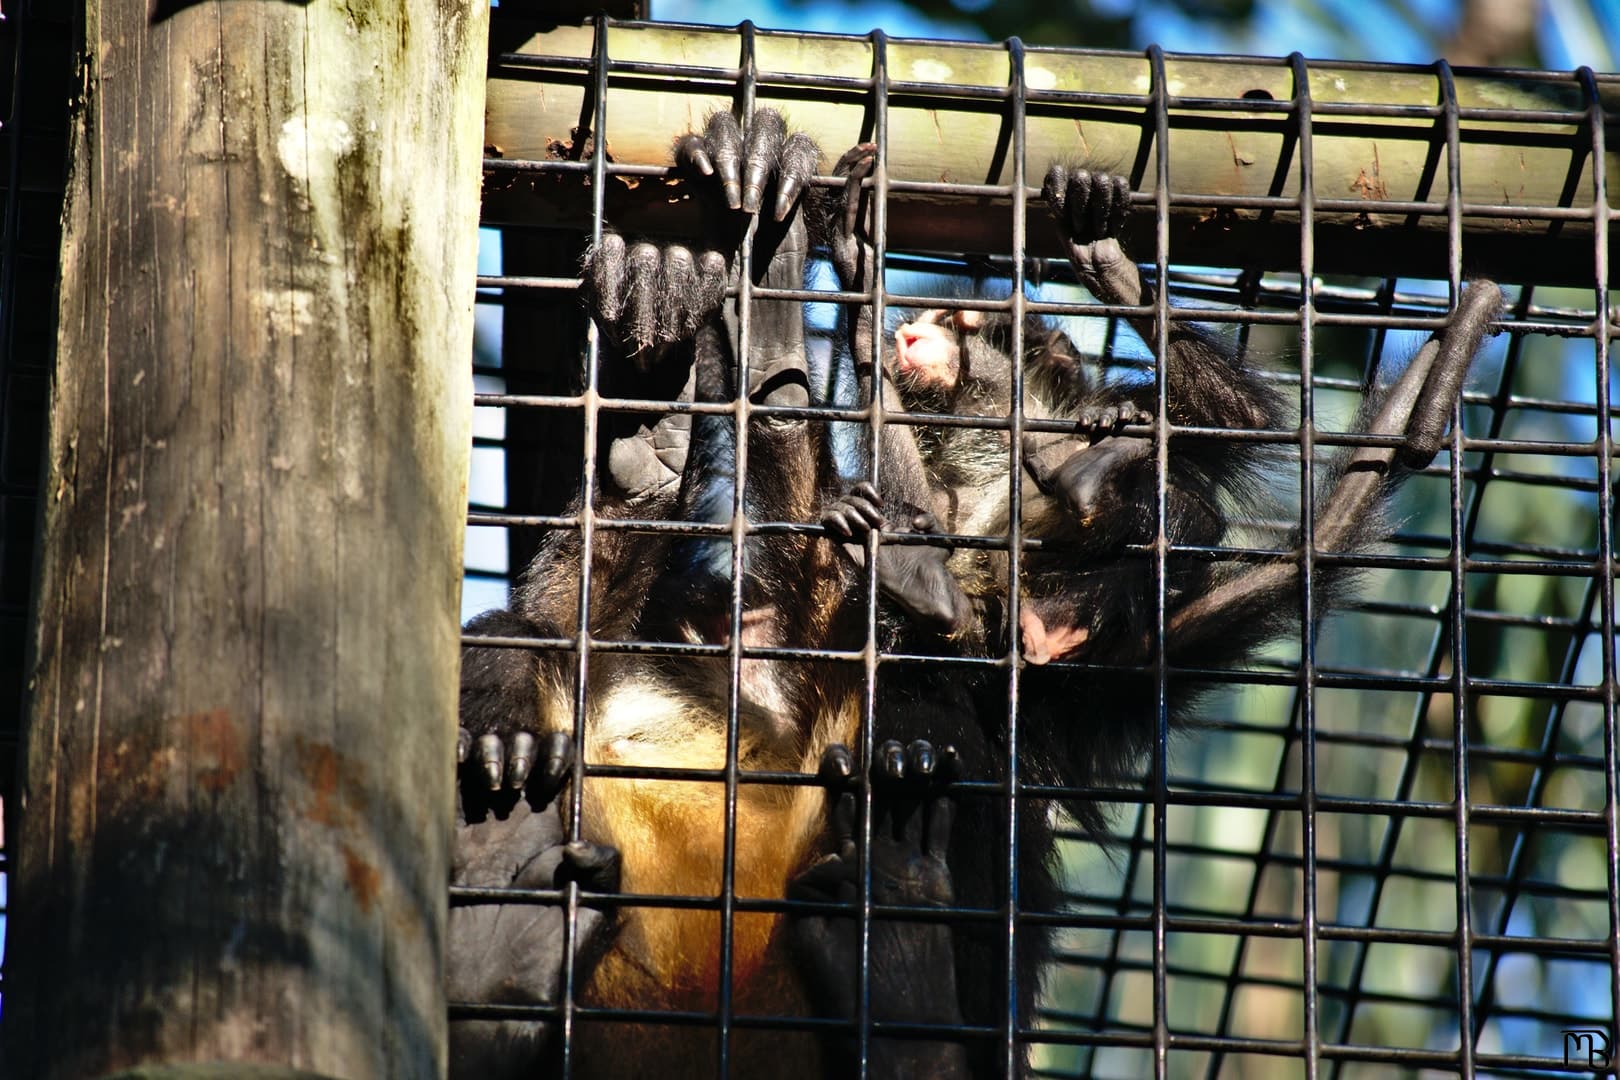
{"x": 1390, "y": 844}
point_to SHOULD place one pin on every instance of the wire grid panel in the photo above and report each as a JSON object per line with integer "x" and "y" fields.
{"x": 1390, "y": 845}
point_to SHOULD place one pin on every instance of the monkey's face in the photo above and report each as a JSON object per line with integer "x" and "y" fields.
{"x": 929, "y": 356}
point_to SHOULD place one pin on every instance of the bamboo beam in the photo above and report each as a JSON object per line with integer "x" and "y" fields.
{"x": 1232, "y": 137}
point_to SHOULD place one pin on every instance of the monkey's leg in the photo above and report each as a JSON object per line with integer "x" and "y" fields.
{"x": 512, "y": 953}
{"x": 1418, "y": 407}
{"x": 914, "y": 577}
{"x": 912, "y": 969}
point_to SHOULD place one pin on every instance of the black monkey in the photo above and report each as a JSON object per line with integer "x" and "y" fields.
{"x": 671, "y": 332}
{"x": 1089, "y": 496}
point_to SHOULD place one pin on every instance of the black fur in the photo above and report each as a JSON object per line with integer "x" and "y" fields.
{"x": 661, "y": 310}
{"x": 1088, "y": 727}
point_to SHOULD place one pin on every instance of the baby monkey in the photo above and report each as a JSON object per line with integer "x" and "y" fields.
{"x": 1089, "y": 490}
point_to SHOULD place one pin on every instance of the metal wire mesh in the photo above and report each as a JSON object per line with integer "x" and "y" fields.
{"x": 1392, "y": 845}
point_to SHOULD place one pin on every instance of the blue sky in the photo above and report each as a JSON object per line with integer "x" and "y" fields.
{"x": 1571, "y": 32}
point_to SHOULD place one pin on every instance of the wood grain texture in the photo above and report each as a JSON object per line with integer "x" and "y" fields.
{"x": 237, "y": 791}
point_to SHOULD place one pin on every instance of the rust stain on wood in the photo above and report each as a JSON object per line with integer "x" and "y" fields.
{"x": 332, "y": 778}
{"x": 216, "y": 741}
{"x": 364, "y": 880}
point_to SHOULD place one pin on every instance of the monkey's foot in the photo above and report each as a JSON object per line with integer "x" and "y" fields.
{"x": 513, "y": 953}
{"x": 1090, "y": 483}
{"x": 912, "y": 971}
{"x": 646, "y": 297}
{"x": 913, "y": 576}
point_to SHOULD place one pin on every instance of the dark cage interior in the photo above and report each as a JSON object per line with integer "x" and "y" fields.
{"x": 1390, "y": 843}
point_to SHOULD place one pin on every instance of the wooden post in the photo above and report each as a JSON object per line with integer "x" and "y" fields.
{"x": 237, "y": 787}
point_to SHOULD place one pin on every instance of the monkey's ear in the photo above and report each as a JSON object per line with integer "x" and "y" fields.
{"x": 967, "y": 322}
{"x": 1054, "y": 349}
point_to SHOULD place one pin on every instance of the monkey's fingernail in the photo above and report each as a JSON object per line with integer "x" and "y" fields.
{"x": 787, "y": 193}
{"x": 701, "y": 162}
{"x": 750, "y": 199}
{"x": 733, "y": 194}
{"x": 519, "y": 760}
{"x": 490, "y": 755}
{"x": 463, "y": 743}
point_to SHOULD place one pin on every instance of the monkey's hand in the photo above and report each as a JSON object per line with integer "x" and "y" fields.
{"x": 850, "y": 235}
{"x": 913, "y": 576}
{"x": 647, "y": 298}
{"x": 498, "y": 754}
{"x": 1090, "y": 209}
{"x": 512, "y": 953}
{"x": 912, "y": 966}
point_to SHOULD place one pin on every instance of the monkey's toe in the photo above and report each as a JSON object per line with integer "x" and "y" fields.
{"x": 596, "y": 867}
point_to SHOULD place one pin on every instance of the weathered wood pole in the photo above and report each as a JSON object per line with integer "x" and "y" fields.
{"x": 237, "y": 785}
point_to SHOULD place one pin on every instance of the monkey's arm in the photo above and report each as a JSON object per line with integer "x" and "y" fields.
{"x": 913, "y": 576}
{"x": 512, "y": 953}
{"x": 1207, "y": 385}
{"x": 911, "y": 966}
{"x": 1251, "y": 604}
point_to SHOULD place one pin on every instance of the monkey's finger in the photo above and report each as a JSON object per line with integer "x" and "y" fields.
{"x": 1115, "y": 206}
{"x": 463, "y": 743}
{"x": 691, "y": 153}
{"x": 556, "y": 758}
{"x": 889, "y": 765}
{"x": 1055, "y": 190}
{"x": 680, "y": 289}
{"x": 519, "y": 759}
{"x": 595, "y": 867}
{"x": 837, "y": 766}
{"x": 866, "y": 510}
{"x": 762, "y": 153}
{"x": 643, "y": 264}
{"x": 604, "y": 270}
{"x": 1079, "y": 204}
{"x": 844, "y": 810}
{"x": 491, "y": 759}
{"x": 725, "y": 151}
{"x": 794, "y": 170}
{"x": 868, "y": 491}
{"x": 835, "y": 520}
{"x": 920, "y": 760}
{"x": 939, "y": 815}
